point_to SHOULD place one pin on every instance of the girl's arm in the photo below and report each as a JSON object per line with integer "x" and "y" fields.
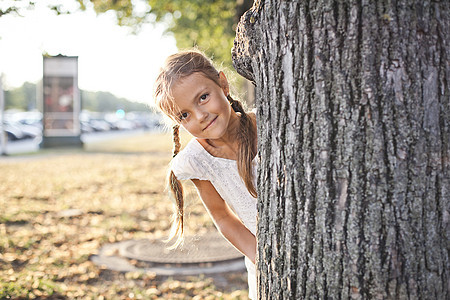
{"x": 226, "y": 220}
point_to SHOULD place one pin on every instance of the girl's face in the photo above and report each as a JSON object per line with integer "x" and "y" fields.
{"x": 204, "y": 110}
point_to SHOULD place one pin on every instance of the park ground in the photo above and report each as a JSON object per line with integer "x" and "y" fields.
{"x": 118, "y": 189}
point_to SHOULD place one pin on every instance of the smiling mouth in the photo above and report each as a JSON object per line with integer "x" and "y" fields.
{"x": 210, "y": 123}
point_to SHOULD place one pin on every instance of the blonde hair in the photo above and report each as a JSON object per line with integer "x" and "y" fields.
{"x": 179, "y": 66}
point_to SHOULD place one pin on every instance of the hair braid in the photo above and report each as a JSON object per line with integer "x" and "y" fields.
{"x": 177, "y": 190}
{"x": 247, "y": 146}
{"x": 176, "y": 139}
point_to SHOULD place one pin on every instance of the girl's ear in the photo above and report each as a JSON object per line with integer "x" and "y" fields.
{"x": 224, "y": 83}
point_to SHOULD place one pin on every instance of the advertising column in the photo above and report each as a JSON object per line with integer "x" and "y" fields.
{"x": 61, "y": 102}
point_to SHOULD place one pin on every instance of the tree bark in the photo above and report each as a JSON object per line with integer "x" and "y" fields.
{"x": 353, "y": 135}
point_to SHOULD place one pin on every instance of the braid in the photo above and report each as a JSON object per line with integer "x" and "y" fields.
{"x": 236, "y": 106}
{"x": 247, "y": 148}
{"x": 177, "y": 190}
{"x": 176, "y": 139}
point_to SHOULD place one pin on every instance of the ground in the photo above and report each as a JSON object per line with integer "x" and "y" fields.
{"x": 118, "y": 190}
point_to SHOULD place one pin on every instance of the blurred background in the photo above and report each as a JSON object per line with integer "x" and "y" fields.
{"x": 120, "y": 46}
{"x": 60, "y": 205}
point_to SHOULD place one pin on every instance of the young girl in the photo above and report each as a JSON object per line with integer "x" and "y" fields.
{"x": 220, "y": 159}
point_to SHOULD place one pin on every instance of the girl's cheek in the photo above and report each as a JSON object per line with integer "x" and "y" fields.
{"x": 188, "y": 128}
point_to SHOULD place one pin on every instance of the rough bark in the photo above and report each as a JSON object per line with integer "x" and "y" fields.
{"x": 353, "y": 133}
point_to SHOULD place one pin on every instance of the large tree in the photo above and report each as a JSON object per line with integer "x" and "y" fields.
{"x": 353, "y": 136}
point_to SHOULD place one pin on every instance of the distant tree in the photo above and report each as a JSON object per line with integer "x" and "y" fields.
{"x": 29, "y": 92}
{"x": 24, "y": 98}
{"x": 107, "y": 102}
{"x": 21, "y": 98}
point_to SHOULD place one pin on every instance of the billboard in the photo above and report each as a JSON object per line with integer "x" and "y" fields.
{"x": 61, "y": 97}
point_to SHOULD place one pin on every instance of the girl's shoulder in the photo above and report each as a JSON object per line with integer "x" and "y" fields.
{"x": 188, "y": 163}
{"x": 189, "y": 152}
{"x": 192, "y": 148}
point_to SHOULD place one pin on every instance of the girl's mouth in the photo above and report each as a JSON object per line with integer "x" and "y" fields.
{"x": 210, "y": 123}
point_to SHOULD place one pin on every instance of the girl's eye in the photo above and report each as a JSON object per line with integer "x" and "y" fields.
{"x": 183, "y": 116}
{"x": 203, "y": 97}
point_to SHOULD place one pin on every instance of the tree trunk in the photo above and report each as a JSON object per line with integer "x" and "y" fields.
{"x": 353, "y": 133}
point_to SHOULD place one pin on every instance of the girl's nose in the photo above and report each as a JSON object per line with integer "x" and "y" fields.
{"x": 201, "y": 115}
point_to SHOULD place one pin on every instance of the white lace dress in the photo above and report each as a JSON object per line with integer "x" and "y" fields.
{"x": 194, "y": 162}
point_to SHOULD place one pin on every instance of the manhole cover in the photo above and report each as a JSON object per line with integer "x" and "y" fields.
{"x": 208, "y": 248}
{"x": 202, "y": 254}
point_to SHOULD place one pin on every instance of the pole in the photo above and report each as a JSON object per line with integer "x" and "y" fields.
{"x": 2, "y": 118}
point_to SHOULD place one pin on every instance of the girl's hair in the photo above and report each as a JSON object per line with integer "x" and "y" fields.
{"x": 179, "y": 66}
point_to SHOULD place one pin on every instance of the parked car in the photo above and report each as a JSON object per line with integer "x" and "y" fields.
{"x": 99, "y": 125}
{"x": 86, "y": 127}
{"x": 13, "y": 133}
{"x": 125, "y": 125}
{"x": 17, "y": 131}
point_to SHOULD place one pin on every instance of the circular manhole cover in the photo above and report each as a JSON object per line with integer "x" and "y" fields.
{"x": 208, "y": 248}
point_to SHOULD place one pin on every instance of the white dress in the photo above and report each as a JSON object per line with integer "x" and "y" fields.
{"x": 194, "y": 162}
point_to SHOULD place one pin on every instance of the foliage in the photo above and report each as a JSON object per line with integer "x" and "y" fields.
{"x": 14, "y": 7}
{"x": 120, "y": 196}
{"x": 21, "y": 98}
{"x": 209, "y": 24}
{"x": 124, "y": 9}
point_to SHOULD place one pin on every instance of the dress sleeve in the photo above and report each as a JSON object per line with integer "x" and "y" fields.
{"x": 186, "y": 166}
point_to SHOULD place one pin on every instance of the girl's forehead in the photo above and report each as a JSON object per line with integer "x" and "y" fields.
{"x": 189, "y": 79}
{"x": 195, "y": 78}
{"x": 190, "y": 86}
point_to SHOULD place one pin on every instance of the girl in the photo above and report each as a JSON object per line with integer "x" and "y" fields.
{"x": 220, "y": 158}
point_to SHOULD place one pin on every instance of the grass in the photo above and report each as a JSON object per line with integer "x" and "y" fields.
{"x": 117, "y": 191}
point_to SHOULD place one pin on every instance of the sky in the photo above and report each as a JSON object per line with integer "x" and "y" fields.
{"x": 110, "y": 57}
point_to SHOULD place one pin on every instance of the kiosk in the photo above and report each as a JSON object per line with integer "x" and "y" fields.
{"x": 61, "y": 102}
